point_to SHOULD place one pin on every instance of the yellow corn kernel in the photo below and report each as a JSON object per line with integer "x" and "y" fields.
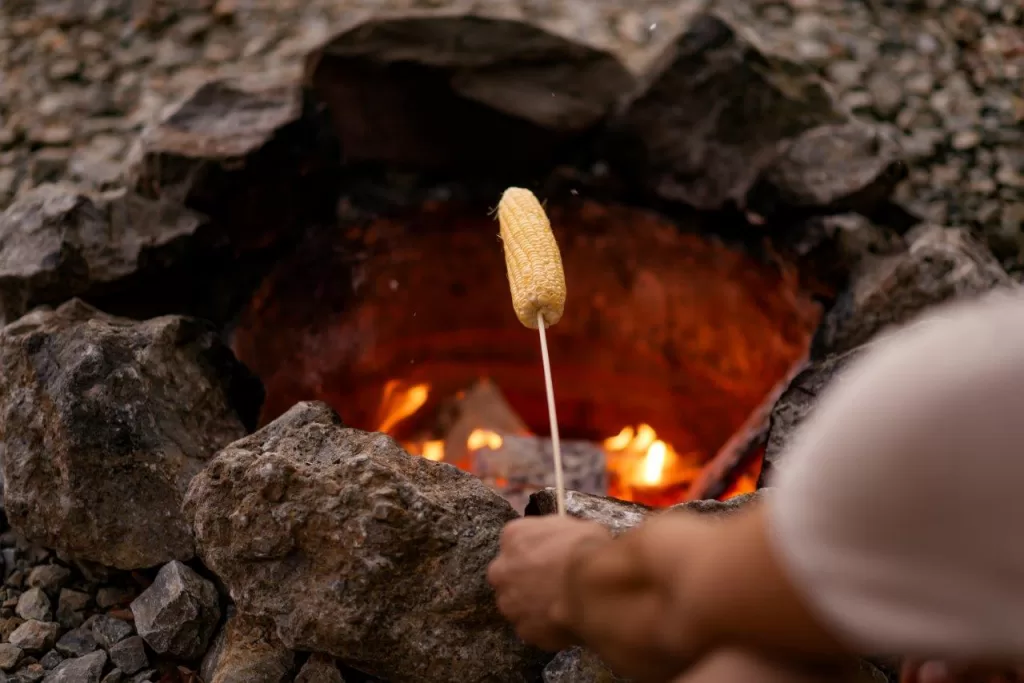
{"x": 532, "y": 259}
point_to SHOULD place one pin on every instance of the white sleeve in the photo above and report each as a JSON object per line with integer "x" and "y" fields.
{"x": 898, "y": 511}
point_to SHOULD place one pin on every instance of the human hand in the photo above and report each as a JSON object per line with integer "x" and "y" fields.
{"x": 531, "y": 572}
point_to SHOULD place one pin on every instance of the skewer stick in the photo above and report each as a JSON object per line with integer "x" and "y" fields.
{"x": 553, "y": 417}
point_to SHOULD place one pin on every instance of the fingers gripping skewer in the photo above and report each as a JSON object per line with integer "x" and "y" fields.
{"x": 537, "y": 283}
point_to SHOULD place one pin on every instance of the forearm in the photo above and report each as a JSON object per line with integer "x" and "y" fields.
{"x": 682, "y": 585}
{"x": 619, "y": 598}
{"x": 745, "y": 596}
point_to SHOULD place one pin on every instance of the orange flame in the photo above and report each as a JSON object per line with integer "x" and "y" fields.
{"x": 398, "y": 403}
{"x": 641, "y": 466}
{"x": 483, "y": 438}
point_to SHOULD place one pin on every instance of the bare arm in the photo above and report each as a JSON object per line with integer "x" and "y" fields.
{"x": 887, "y": 530}
{"x": 680, "y": 586}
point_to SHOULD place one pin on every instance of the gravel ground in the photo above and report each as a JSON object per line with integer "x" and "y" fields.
{"x": 950, "y": 76}
{"x": 78, "y": 80}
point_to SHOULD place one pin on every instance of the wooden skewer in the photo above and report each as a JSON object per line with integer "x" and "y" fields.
{"x": 553, "y": 418}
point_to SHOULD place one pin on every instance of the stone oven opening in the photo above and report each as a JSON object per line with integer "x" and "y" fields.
{"x": 398, "y": 315}
{"x": 670, "y": 343}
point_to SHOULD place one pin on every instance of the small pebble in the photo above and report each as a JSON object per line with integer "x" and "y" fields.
{"x": 9, "y": 656}
{"x": 35, "y": 636}
{"x": 34, "y": 604}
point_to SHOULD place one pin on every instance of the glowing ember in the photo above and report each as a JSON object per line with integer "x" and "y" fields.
{"x": 483, "y": 438}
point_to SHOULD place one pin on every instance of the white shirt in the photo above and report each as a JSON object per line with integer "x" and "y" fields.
{"x": 898, "y": 510}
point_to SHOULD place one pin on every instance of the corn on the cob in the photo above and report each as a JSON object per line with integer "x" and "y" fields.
{"x": 537, "y": 282}
{"x": 532, "y": 259}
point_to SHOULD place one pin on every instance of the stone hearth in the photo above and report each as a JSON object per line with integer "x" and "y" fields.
{"x": 193, "y": 487}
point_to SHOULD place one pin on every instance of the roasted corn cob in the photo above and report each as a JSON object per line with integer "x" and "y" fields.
{"x": 532, "y": 259}
{"x": 537, "y": 282}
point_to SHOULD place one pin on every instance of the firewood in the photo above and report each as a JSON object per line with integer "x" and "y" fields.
{"x": 523, "y": 465}
{"x": 481, "y": 406}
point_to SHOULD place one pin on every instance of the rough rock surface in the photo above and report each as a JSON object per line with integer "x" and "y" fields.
{"x": 79, "y": 80}
{"x": 248, "y": 651}
{"x": 86, "y": 669}
{"x": 795, "y": 405}
{"x": 319, "y": 669}
{"x": 511, "y": 66}
{"x": 940, "y": 264}
{"x": 178, "y": 614}
{"x": 721, "y": 112}
{"x": 354, "y": 548}
{"x": 851, "y": 166}
{"x": 105, "y": 421}
{"x": 35, "y": 636}
{"x": 57, "y": 243}
{"x": 129, "y": 655}
{"x": 619, "y": 515}
{"x": 231, "y": 142}
{"x": 577, "y": 665}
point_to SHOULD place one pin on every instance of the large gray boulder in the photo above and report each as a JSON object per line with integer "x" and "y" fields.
{"x": 104, "y": 421}
{"x": 354, "y": 548}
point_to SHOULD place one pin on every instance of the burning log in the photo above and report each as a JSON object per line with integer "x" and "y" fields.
{"x": 517, "y": 466}
{"x": 481, "y": 407}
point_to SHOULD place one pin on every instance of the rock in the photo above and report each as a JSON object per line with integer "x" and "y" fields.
{"x": 9, "y": 626}
{"x": 30, "y": 673}
{"x": 115, "y": 676}
{"x": 71, "y": 607}
{"x": 56, "y": 243}
{"x": 841, "y": 167}
{"x": 577, "y": 665}
{"x": 939, "y": 265}
{"x": 111, "y": 596}
{"x": 129, "y": 655}
{"x": 35, "y": 636}
{"x": 796, "y": 403}
{"x": 716, "y": 114}
{"x": 178, "y": 613}
{"x": 109, "y": 630}
{"x": 375, "y": 556}
{"x": 87, "y": 669}
{"x": 105, "y": 422}
{"x": 51, "y": 660}
{"x": 216, "y": 649}
{"x": 33, "y": 604}
{"x": 619, "y": 515}
{"x": 221, "y": 122}
{"x": 9, "y": 656}
{"x": 77, "y": 642}
{"x": 49, "y": 577}
{"x": 511, "y": 66}
{"x": 218, "y": 150}
{"x": 319, "y": 669}
{"x": 251, "y": 653}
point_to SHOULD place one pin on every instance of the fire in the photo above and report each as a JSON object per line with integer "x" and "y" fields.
{"x": 397, "y": 403}
{"x": 483, "y": 438}
{"x": 641, "y": 466}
